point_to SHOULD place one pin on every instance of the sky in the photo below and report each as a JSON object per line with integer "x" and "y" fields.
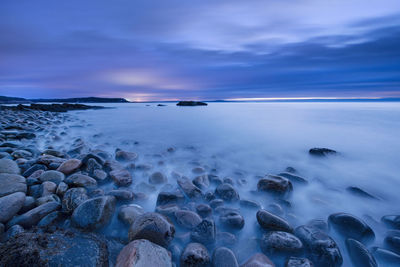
{"x": 200, "y": 49}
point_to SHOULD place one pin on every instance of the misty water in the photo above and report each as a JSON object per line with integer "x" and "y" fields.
{"x": 244, "y": 141}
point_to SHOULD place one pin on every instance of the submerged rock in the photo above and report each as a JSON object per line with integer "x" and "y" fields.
{"x": 392, "y": 240}
{"x": 280, "y": 243}
{"x": 272, "y": 222}
{"x": 227, "y": 192}
{"x": 187, "y": 219}
{"x": 205, "y": 232}
{"x": 258, "y": 260}
{"x": 189, "y": 188}
{"x": 191, "y": 103}
{"x": 121, "y": 177}
{"x": 195, "y": 255}
{"x": 275, "y": 184}
{"x": 224, "y": 257}
{"x": 153, "y": 227}
{"x": 157, "y": 178}
{"x": 232, "y": 220}
{"x": 129, "y": 213}
{"x": 321, "y": 152}
{"x": 142, "y": 253}
{"x": 393, "y": 221}
{"x": 359, "y": 254}
{"x": 386, "y": 257}
{"x": 351, "y": 227}
{"x": 298, "y": 262}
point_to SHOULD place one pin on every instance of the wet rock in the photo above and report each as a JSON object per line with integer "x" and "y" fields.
{"x": 258, "y": 260}
{"x": 122, "y": 194}
{"x": 187, "y": 219}
{"x": 10, "y": 205}
{"x": 11, "y": 183}
{"x": 203, "y": 210}
{"x": 32, "y": 217}
{"x": 129, "y": 213}
{"x": 392, "y": 221}
{"x": 227, "y": 192}
{"x": 92, "y": 165}
{"x": 143, "y": 253}
{"x": 54, "y": 153}
{"x": 170, "y": 198}
{"x": 48, "y": 188}
{"x": 17, "y": 154}
{"x": 57, "y": 249}
{"x": 202, "y": 181}
{"x": 215, "y": 203}
{"x": 33, "y": 169}
{"x": 249, "y": 204}
{"x": 144, "y": 167}
{"x": 392, "y": 241}
{"x": 232, "y": 220}
{"x": 298, "y": 262}
{"x": 157, "y": 178}
{"x": 198, "y": 170}
{"x": 195, "y": 255}
{"x": 99, "y": 175}
{"x": 81, "y": 180}
{"x": 191, "y": 103}
{"x": 29, "y": 203}
{"x": 13, "y": 231}
{"x": 321, "y": 152}
{"x": 168, "y": 210}
{"x": 204, "y": 232}
{"x": 46, "y": 199}
{"x": 226, "y": 239}
{"x": 8, "y": 166}
{"x": 318, "y": 224}
{"x": 359, "y": 192}
{"x": 359, "y": 254}
{"x": 73, "y": 198}
{"x": 52, "y": 176}
{"x": 278, "y": 242}
{"x": 97, "y": 155}
{"x": 272, "y": 222}
{"x": 121, "y": 177}
{"x": 189, "y": 188}
{"x": 322, "y": 249}
{"x": 275, "y": 185}
{"x": 122, "y": 155}
{"x": 209, "y": 196}
{"x": 293, "y": 178}
{"x": 94, "y": 213}
{"x": 386, "y": 257}
{"x": 61, "y": 189}
{"x": 224, "y": 257}
{"x": 50, "y": 219}
{"x": 351, "y": 227}
{"x": 153, "y": 227}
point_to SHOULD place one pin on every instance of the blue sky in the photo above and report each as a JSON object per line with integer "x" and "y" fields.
{"x": 200, "y": 49}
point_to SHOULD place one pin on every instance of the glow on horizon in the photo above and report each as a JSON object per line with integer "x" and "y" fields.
{"x": 297, "y": 98}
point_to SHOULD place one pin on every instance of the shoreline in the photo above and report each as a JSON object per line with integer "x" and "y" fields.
{"x": 69, "y": 196}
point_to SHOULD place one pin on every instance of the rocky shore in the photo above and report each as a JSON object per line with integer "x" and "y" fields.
{"x": 66, "y": 203}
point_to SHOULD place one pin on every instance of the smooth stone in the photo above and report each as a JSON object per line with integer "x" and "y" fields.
{"x": 92, "y": 165}
{"x": 164, "y": 198}
{"x": 293, "y": 178}
{"x": 318, "y": 224}
{"x": 322, "y": 249}
{"x": 99, "y": 175}
{"x": 122, "y": 194}
{"x": 21, "y": 154}
{"x": 129, "y": 213}
{"x": 121, "y": 177}
{"x": 189, "y": 188}
{"x": 33, "y": 169}
{"x": 360, "y": 193}
{"x": 272, "y": 222}
{"x": 48, "y": 188}
{"x": 392, "y": 221}
{"x": 205, "y": 232}
{"x": 392, "y": 240}
{"x": 10, "y": 205}
{"x": 143, "y": 253}
{"x": 187, "y": 219}
{"x": 198, "y": 170}
{"x": 168, "y": 210}
{"x": 61, "y": 248}
{"x": 49, "y": 219}
{"x": 157, "y": 178}
{"x": 61, "y": 189}
{"x": 8, "y": 166}
{"x": 2, "y": 228}
{"x": 94, "y": 213}
{"x": 81, "y": 180}
{"x": 153, "y": 227}
{"x": 215, "y": 203}
{"x": 204, "y": 210}
{"x": 258, "y": 260}
{"x": 224, "y": 257}
{"x": 275, "y": 185}
{"x": 13, "y": 231}
{"x": 195, "y": 255}
{"x": 232, "y": 220}
{"x": 386, "y": 257}
{"x": 298, "y": 262}
{"x": 226, "y": 239}
{"x": 46, "y": 199}
{"x": 321, "y": 152}
{"x": 29, "y": 203}
{"x": 73, "y": 198}
{"x": 201, "y": 181}
{"x": 227, "y": 192}
{"x": 359, "y": 254}
{"x": 70, "y": 166}
{"x": 12, "y": 183}
{"x": 249, "y": 204}
{"x": 32, "y": 217}
{"x": 278, "y": 242}
{"x": 122, "y": 155}
{"x": 351, "y": 227}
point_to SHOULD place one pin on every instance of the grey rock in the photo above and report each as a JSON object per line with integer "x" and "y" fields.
{"x": 33, "y": 169}
{"x": 386, "y": 257}
{"x": 14, "y": 231}
{"x": 153, "y": 227}
{"x": 46, "y": 199}
{"x": 195, "y": 255}
{"x": 10, "y": 205}
{"x": 202, "y": 181}
{"x": 8, "y": 166}
{"x": 11, "y": 183}
{"x": 354, "y": 190}
{"x": 142, "y": 253}
{"x": 168, "y": 210}
{"x": 70, "y": 166}
{"x": 29, "y": 204}
{"x": 293, "y": 178}
{"x": 122, "y": 194}
{"x": 392, "y": 240}
{"x": 204, "y": 210}
{"x": 94, "y": 213}
{"x": 122, "y": 155}
{"x": 321, "y": 152}
{"x": 48, "y": 188}
{"x": 224, "y": 257}
{"x": 32, "y": 217}
{"x": 61, "y": 189}
{"x": 272, "y": 222}
{"x": 50, "y": 219}
{"x": 99, "y": 175}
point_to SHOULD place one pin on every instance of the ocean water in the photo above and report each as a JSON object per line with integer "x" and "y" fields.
{"x": 245, "y": 140}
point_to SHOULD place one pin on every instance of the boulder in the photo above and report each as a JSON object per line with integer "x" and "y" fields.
{"x": 232, "y": 220}
{"x": 272, "y": 222}
{"x": 94, "y": 213}
{"x": 195, "y": 255}
{"x": 10, "y": 205}
{"x": 143, "y": 253}
{"x": 8, "y": 166}
{"x": 153, "y": 227}
{"x": 11, "y": 183}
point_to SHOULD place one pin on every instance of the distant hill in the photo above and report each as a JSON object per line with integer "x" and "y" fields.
{"x": 11, "y": 100}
